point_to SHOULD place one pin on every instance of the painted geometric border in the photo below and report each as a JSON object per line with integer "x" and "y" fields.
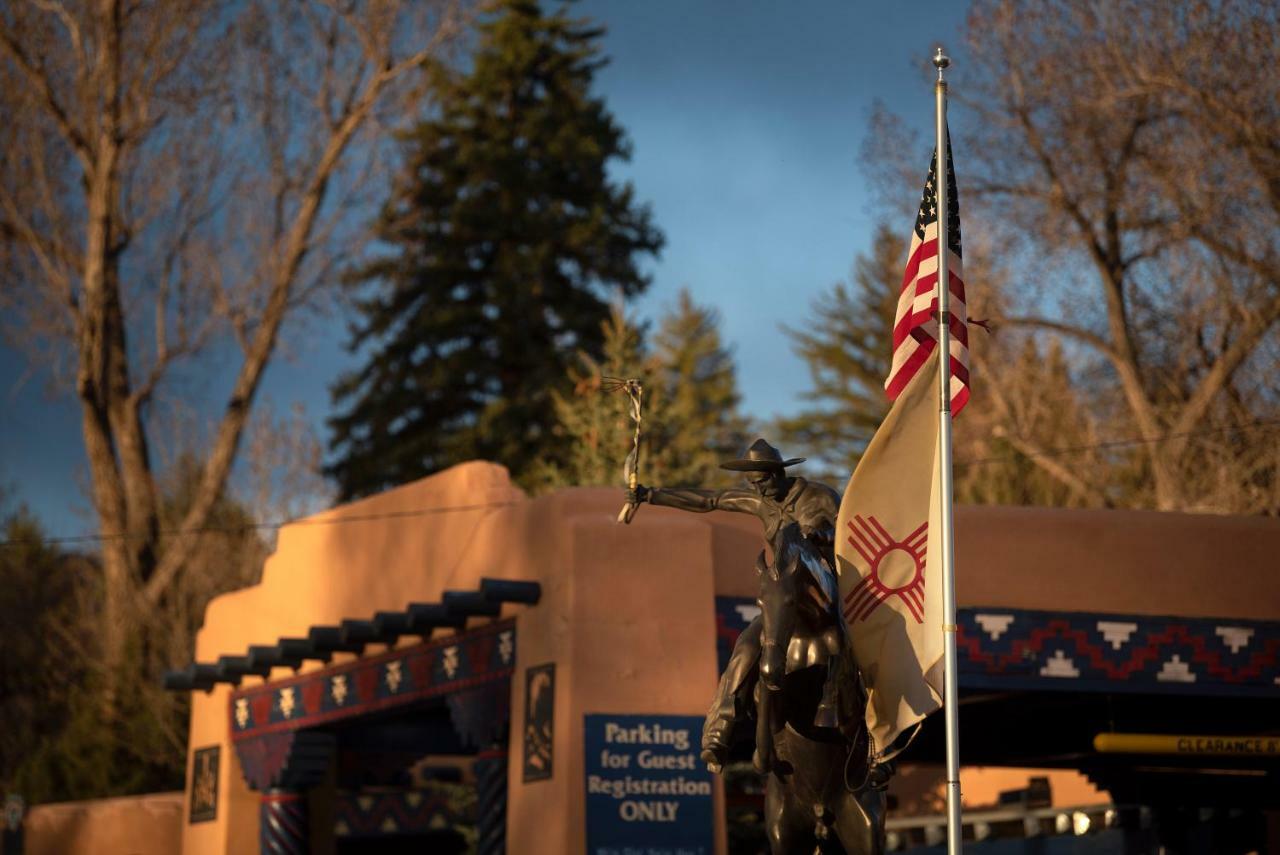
{"x": 1075, "y": 651}
{"x": 1109, "y": 652}
{"x": 368, "y": 684}
{"x": 398, "y": 812}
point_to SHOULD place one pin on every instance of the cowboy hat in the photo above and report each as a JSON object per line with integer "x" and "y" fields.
{"x": 761, "y": 457}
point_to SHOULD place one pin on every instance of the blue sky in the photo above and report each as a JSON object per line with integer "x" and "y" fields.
{"x": 746, "y": 119}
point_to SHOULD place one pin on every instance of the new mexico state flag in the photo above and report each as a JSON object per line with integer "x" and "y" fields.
{"x": 888, "y": 553}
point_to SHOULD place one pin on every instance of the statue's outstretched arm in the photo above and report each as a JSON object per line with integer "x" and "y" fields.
{"x": 702, "y": 501}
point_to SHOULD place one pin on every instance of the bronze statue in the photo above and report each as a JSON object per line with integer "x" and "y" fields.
{"x": 777, "y": 500}
{"x": 791, "y": 666}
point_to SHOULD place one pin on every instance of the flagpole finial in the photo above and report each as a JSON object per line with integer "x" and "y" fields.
{"x": 940, "y": 61}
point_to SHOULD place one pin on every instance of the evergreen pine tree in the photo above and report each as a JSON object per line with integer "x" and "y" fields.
{"x": 42, "y": 599}
{"x": 847, "y": 343}
{"x": 595, "y": 421}
{"x": 506, "y": 234}
{"x": 691, "y": 418}
{"x": 700, "y": 424}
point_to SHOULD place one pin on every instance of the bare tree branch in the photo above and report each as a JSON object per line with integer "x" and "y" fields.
{"x": 132, "y": 182}
{"x": 288, "y": 256}
{"x": 40, "y": 83}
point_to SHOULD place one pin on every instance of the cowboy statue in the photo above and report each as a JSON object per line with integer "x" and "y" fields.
{"x": 778, "y": 500}
{"x": 792, "y": 667}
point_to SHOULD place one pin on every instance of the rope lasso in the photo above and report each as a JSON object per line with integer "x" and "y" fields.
{"x": 630, "y": 469}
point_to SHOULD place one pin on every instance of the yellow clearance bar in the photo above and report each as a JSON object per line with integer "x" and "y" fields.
{"x": 1217, "y": 746}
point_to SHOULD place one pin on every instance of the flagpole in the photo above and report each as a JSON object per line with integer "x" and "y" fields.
{"x": 941, "y": 175}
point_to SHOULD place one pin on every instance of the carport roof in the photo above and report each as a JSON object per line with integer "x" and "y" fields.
{"x": 353, "y": 635}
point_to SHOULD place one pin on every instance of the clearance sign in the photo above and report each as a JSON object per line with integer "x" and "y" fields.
{"x": 648, "y": 793}
{"x": 1214, "y": 746}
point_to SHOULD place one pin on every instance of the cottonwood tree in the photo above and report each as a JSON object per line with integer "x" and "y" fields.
{"x": 1129, "y": 147}
{"x": 1029, "y": 439}
{"x": 282, "y": 463}
{"x": 1135, "y": 200}
{"x": 176, "y": 179}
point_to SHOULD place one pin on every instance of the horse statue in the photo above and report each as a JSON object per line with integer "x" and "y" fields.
{"x": 822, "y": 795}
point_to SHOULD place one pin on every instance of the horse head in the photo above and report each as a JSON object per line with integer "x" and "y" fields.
{"x": 797, "y": 603}
{"x": 783, "y": 597}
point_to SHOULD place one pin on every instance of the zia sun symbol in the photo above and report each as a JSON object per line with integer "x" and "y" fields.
{"x": 897, "y": 569}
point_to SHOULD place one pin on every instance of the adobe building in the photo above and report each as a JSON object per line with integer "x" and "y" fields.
{"x": 456, "y": 636}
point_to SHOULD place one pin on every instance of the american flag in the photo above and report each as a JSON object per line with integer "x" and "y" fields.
{"x": 915, "y": 327}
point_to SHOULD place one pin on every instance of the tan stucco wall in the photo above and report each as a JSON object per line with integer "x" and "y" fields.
{"x": 377, "y": 554}
{"x": 1136, "y": 562}
{"x": 136, "y": 825}
{"x": 627, "y": 615}
{"x": 631, "y": 630}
